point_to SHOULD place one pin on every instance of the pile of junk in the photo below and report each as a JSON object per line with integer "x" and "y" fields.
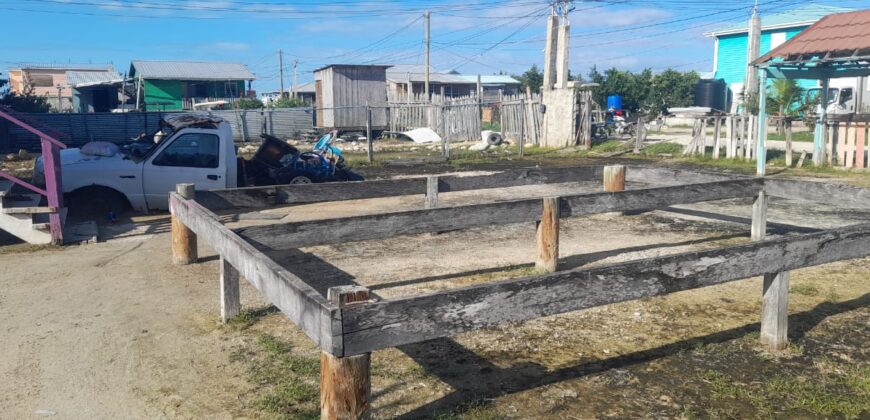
{"x": 278, "y": 163}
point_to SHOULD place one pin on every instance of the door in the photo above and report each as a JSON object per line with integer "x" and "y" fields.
{"x": 193, "y": 156}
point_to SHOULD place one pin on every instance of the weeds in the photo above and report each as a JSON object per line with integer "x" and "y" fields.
{"x": 476, "y": 410}
{"x": 804, "y": 289}
{"x": 250, "y": 317}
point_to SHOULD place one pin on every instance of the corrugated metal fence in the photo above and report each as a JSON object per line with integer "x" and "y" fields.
{"x": 118, "y": 127}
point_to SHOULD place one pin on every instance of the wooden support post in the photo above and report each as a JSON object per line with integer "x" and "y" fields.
{"x": 345, "y": 382}
{"x": 788, "y": 145}
{"x": 431, "y": 191}
{"x": 614, "y": 178}
{"x": 774, "y": 305}
{"x": 759, "y": 216}
{"x": 774, "y": 311}
{"x": 369, "y": 140}
{"x": 522, "y": 140}
{"x": 548, "y": 236}
{"x": 230, "y": 301}
{"x": 183, "y": 239}
{"x": 640, "y": 129}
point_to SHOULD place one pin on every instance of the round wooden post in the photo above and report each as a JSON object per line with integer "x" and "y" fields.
{"x": 183, "y": 239}
{"x": 548, "y": 236}
{"x": 345, "y": 382}
{"x": 614, "y": 178}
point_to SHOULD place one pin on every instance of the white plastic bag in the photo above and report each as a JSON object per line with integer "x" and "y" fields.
{"x": 100, "y": 148}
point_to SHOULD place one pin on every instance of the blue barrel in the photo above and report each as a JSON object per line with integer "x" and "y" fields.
{"x": 614, "y": 101}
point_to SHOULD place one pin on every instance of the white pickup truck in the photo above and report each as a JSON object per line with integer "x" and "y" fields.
{"x": 188, "y": 148}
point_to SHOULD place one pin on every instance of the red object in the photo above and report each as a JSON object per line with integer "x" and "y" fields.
{"x": 619, "y": 112}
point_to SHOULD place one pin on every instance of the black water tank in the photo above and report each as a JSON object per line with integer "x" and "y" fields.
{"x": 710, "y": 93}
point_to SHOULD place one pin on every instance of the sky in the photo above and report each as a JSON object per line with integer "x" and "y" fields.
{"x": 469, "y": 36}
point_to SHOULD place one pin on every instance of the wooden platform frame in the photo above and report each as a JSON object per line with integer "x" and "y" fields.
{"x": 348, "y": 323}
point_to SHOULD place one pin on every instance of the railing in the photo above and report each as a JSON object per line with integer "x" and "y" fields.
{"x": 189, "y": 104}
{"x": 53, "y": 191}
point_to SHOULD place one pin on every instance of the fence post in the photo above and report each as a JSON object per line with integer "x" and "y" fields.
{"x": 759, "y": 216}
{"x": 547, "y": 236}
{"x": 774, "y": 304}
{"x": 788, "y": 146}
{"x": 522, "y": 127}
{"x": 431, "y": 191}
{"x": 370, "y": 151}
{"x": 716, "y": 136}
{"x": 345, "y": 382}
{"x": 614, "y": 178}
{"x": 640, "y": 134}
{"x": 230, "y": 301}
{"x": 183, "y": 239}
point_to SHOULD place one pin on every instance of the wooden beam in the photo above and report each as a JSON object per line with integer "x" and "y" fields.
{"x": 380, "y": 226}
{"x": 412, "y": 319}
{"x": 261, "y": 197}
{"x": 774, "y": 310}
{"x": 183, "y": 239}
{"x": 300, "y": 302}
{"x": 231, "y": 304}
{"x": 817, "y": 192}
{"x": 431, "y": 191}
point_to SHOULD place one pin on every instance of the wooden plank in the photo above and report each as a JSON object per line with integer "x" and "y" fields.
{"x": 817, "y": 192}
{"x": 431, "y": 191}
{"x": 759, "y": 216}
{"x": 547, "y": 236}
{"x": 300, "y": 302}
{"x": 860, "y": 141}
{"x": 774, "y": 310}
{"x": 261, "y": 197}
{"x": 412, "y": 319}
{"x": 345, "y": 382}
{"x": 380, "y": 226}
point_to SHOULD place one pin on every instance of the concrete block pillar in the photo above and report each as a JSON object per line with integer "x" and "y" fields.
{"x": 550, "y": 53}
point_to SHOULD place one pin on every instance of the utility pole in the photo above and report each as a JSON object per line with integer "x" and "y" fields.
{"x": 750, "y": 86}
{"x": 295, "y": 86}
{"x": 426, "y": 70}
{"x": 281, "y": 70}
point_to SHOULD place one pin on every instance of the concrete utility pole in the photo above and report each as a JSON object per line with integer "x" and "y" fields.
{"x": 281, "y": 70}
{"x": 562, "y": 52}
{"x": 550, "y": 50}
{"x": 295, "y": 86}
{"x": 750, "y": 85}
{"x": 426, "y": 70}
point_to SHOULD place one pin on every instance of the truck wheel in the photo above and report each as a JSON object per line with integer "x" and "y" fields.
{"x": 96, "y": 202}
{"x": 300, "y": 179}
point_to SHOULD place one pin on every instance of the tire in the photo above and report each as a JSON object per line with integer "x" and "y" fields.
{"x": 96, "y": 202}
{"x": 300, "y": 180}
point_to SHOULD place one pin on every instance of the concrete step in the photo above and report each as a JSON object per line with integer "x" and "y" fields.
{"x": 24, "y": 204}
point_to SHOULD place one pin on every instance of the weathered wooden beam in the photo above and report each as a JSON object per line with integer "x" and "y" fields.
{"x": 614, "y": 178}
{"x": 431, "y": 191}
{"x": 843, "y": 195}
{"x": 759, "y": 216}
{"x": 300, "y": 302}
{"x": 261, "y": 197}
{"x": 547, "y": 236}
{"x": 774, "y": 310}
{"x": 345, "y": 382}
{"x": 417, "y": 318}
{"x": 183, "y": 239}
{"x": 380, "y": 226}
{"x": 231, "y": 304}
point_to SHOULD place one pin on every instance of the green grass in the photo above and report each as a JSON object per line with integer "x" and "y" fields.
{"x": 287, "y": 384}
{"x": 662, "y": 148}
{"x": 804, "y": 289}
{"x": 249, "y": 317}
{"x": 801, "y": 136}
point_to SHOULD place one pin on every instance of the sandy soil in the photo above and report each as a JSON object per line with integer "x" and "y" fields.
{"x": 112, "y": 330}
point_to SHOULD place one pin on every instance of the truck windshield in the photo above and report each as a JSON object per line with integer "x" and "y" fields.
{"x": 145, "y": 144}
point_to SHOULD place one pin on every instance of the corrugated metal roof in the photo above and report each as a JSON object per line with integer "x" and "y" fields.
{"x": 190, "y": 70}
{"x": 306, "y": 87}
{"x": 841, "y": 32}
{"x": 402, "y": 72}
{"x": 492, "y": 79}
{"x": 801, "y": 16}
{"x": 351, "y": 65}
{"x": 92, "y": 78}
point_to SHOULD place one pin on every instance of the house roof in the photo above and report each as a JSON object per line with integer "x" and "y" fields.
{"x": 837, "y": 33}
{"x": 306, "y": 87}
{"x": 79, "y": 79}
{"x": 401, "y": 73}
{"x": 350, "y": 65}
{"x": 189, "y": 70}
{"x": 492, "y": 79}
{"x": 801, "y": 16}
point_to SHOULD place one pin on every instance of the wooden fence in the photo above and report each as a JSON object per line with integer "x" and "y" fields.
{"x": 454, "y": 119}
{"x": 739, "y": 141}
{"x": 847, "y": 144}
{"x": 521, "y": 119}
{"x": 349, "y": 323}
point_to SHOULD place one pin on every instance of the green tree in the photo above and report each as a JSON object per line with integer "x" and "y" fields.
{"x": 670, "y": 89}
{"x": 286, "y": 102}
{"x": 26, "y": 102}
{"x": 532, "y": 78}
{"x": 248, "y": 103}
{"x": 784, "y": 98}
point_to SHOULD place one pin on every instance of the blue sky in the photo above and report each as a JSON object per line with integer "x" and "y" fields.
{"x": 471, "y": 36}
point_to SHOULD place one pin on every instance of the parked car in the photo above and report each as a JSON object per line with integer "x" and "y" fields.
{"x": 187, "y": 148}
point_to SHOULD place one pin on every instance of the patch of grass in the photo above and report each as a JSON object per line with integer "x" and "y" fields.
{"x": 832, "y": 295}
{"x": 608, "y": 146}
{"x": 287, "y": 384}
{"x": 802, "y": 136}
{"x": 249, "y": 317}
{"x": 662, "y": 148}
{"x": 804, "y": 289}
{"x": 27, "y": 248}
{"x": 477, "y": 410}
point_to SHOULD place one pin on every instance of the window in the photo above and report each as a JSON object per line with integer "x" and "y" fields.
{"x": 41, "y": 80}
{"x": 845, "y": 96}
{"x": 194, "y": 150}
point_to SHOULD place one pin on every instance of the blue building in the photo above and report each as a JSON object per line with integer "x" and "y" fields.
{"x": 732, "y": 43}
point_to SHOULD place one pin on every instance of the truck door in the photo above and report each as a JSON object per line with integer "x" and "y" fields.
{"x": 192, "y": 156}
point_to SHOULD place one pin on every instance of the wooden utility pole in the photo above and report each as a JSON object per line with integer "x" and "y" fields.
{"x": 281, "y": 69}
{"x": 295, "y": 86}
{"x": 426, "y": 70}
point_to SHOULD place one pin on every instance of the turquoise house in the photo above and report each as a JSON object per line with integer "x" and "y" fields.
{"x": 732, "y": 43}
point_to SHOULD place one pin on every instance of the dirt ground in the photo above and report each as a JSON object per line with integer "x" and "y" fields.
{"x": 112, "y": 330}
